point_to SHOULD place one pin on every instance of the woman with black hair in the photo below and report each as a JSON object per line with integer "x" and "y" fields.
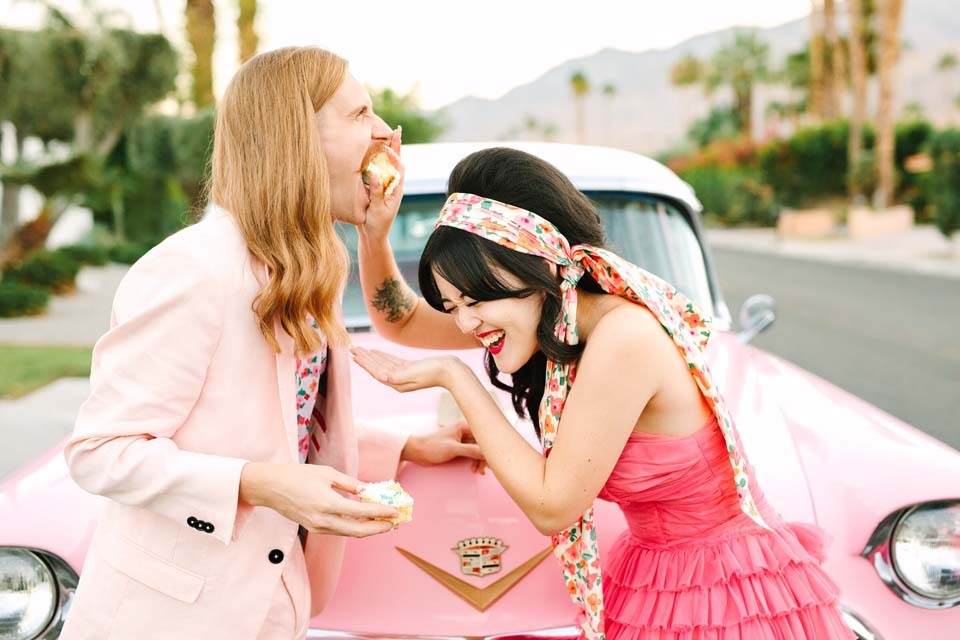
{"x": 617, "y": 355}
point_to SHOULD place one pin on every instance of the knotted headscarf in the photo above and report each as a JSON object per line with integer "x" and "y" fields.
{"x": 520, "y": 230}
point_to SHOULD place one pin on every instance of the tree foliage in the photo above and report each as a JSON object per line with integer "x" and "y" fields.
{"x": 404, "y": 110}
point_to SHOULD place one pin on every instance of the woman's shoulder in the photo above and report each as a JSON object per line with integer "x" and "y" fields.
{"x": 626, "y": 320}
{"x": 629, "y": 329}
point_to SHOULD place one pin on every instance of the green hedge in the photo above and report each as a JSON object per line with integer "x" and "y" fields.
{"x": 129, "y": 252}
{"x": 86, "y": 254}
{"x": 21, "y": 300}
{"x": 812, "y": 164}
{"x": 732, "y": 197}
{"x": 944, "y": 182}
{"x": 49, "y": 270}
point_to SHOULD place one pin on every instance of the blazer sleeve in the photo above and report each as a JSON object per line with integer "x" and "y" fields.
{"x": 147, "y": 373}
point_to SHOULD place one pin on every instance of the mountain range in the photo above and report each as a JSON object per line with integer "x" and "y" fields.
{"x": 648, "y": 114}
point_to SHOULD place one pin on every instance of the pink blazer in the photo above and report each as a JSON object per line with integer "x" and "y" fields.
{"x": 184, "y": 392}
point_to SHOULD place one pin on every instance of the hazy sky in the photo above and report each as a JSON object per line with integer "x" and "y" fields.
{"x": 448, "y": 49}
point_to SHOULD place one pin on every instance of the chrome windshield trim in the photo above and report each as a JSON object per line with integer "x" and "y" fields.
{"x": 878, "y": 551}
{"x": 557, "y": 633}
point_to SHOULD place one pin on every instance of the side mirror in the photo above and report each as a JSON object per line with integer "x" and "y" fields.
{"x": 757, "y": 314}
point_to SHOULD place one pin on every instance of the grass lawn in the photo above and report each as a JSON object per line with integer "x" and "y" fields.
{"x": 26, "y": 368}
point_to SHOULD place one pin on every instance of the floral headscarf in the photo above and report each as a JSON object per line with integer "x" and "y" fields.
{"x": 526, "y": 232}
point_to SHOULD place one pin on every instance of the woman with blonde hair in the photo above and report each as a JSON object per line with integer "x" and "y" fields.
{"x": 224, "y": 370}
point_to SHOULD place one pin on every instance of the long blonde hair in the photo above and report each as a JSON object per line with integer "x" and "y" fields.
{"x": 269, "y": 171}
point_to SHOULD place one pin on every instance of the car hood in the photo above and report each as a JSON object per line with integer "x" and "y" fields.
{"x": 863, "y": 464}
{"x": 43, "y": 508}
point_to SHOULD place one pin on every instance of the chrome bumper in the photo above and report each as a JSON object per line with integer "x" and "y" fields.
{"x": 862, "y": 630}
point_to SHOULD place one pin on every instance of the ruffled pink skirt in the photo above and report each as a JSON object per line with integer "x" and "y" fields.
{"x": 744, "y": 585}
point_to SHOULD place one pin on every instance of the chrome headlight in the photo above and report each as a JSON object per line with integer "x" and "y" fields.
{"x": 36, "y": 589}
{"x": 926, "y": 550}
{"x": 916, "y": 552}
{"x": 28, "y": 594}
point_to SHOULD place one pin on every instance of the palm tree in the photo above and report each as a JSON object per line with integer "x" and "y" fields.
{"x": 580, "y": 86}
{"x": 201, "y": 34}
{"x": 246, "y": 29}
{"x": 818, "y": 92}
{"x": 859, "y": 69}
{"x": 835, "y": 71}
{"x": 739, "y": 65}
{"x": 890, "y": 12}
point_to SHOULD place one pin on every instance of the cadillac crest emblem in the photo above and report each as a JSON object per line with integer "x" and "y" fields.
{"x": 480, "y": 556}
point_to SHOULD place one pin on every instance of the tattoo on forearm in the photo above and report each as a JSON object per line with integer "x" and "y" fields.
{"x": 391, "y": 300}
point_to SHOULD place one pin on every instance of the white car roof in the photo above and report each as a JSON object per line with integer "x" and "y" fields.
{"x": 590, "y": 168}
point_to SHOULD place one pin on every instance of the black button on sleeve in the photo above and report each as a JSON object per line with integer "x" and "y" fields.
{"x": 276, "y": 556}
{"x": 208, "y": 527}
{"x": 192, "y": 522}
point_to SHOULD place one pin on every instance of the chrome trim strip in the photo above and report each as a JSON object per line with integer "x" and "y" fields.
{"x": 558, "y": 633}
{"x": 878, "y": 551}
{"x": 857, "y": 624}
{"x": 67, "y": 580}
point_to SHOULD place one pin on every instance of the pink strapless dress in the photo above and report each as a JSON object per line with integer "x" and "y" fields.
{"x": 693, "y": 566}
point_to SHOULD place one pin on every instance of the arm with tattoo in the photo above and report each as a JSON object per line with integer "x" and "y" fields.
{"x": 395, "y": 310}
{"x": 394, "y": 300}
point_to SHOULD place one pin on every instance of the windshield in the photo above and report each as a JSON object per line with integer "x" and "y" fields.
{"x": 647, "y": 231}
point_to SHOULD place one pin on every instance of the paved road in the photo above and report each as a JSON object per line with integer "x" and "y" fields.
{"x": 892, "y": 338}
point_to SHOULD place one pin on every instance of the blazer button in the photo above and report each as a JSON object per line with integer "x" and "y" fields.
{"x": 192, "y": 522}
{"x": 276, "y": 556}
{"x": 208, "y": 527}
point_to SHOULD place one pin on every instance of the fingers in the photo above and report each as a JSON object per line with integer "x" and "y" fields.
{"x": 385, "y": 368}
{"x": 395, "y": 139}
{"x": 464, "y": 432}
{"x": 385, "y": 358}
{"x": 342, "y": 526}
{"x": 356, "y": 509}
{"x": 342, "y": 481}
{"x": 376, "y": 190}
{"x": 362, "y": 358}
{"x": 468, "y": 450}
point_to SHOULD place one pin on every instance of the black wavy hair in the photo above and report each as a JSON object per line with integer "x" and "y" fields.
{"x": 465, "y": 260}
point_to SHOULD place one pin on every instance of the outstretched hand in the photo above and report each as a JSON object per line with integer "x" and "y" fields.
{"x": 406, "y": 375}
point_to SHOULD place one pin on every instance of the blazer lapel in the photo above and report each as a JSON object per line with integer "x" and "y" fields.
{"x": 286, "y": 384}
{"x": 335, "y": 446}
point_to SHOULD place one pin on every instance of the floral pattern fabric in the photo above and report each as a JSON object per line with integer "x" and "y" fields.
{"x": 309, "y": 371}
{"x": 520, "y": 230}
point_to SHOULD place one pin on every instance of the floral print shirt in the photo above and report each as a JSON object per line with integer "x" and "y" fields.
{"x": 310, "y": 370}
{"x": 524, "y": 231}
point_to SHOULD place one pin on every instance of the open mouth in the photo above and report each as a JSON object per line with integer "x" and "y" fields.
{"x": 493, "y": 341}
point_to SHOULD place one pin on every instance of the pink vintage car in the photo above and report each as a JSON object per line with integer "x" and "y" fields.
{"x": 471, "y": 566}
